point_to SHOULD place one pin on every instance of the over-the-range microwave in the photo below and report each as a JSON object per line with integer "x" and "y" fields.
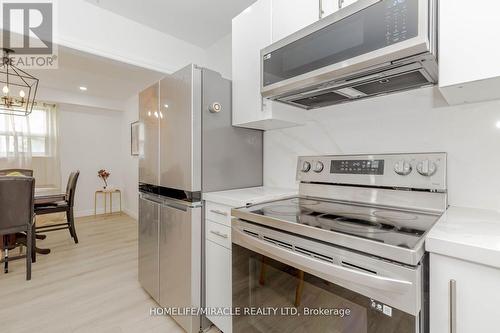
{"x": 368, "y": 48}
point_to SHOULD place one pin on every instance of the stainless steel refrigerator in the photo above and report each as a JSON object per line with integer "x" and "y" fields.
{"x": 187, "y": 147}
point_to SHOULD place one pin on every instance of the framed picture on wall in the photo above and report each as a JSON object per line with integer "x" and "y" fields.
{"x": 134, "y": 139}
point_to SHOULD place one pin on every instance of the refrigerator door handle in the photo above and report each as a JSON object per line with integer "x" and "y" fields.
{"x": 169, "y": 202}
{"x": 175, "y": 206}
{"x": 150, "y": 199}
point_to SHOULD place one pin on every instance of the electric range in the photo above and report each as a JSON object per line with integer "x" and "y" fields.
{"x": 358, "y": 226}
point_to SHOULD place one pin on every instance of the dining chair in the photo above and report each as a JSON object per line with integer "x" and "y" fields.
{"x": 24, "y": 172}
{"x": 59, "y": 207}
{"x": 16, "y": 205}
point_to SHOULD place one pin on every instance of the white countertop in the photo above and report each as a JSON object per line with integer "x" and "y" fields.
{"x": 468, "y": 234}
{"x": 251, "y": 195}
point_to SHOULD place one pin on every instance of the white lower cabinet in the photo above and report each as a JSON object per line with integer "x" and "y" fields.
{"x": 463, "y": 294}
{"x": 218, "y": 283}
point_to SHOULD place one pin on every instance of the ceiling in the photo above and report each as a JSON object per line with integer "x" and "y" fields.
{"x": 103, "y": 77}
{"x": 199, "y": 22}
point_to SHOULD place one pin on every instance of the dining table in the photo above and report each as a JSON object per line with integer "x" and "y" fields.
{"x": 43, "y": 197}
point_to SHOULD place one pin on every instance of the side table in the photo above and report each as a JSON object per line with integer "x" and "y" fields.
{"x": 105, "y": 192}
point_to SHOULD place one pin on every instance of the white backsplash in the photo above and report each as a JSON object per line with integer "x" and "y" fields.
{"x": 416, "y": 121}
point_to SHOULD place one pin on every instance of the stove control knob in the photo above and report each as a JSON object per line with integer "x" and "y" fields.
{"x": 402, "y": 168}
{"x": 306, "y": 166}
{"x": 426, "y": 168}
{"x": 318, "y": 167}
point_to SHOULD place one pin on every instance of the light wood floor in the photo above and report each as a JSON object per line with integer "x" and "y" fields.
{"x": 88, "y": 287}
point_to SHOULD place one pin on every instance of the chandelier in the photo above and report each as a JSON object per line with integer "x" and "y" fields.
{"x": 18, "y": 88}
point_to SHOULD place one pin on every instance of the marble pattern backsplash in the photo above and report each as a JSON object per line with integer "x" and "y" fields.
{"x": 415, "y": 121}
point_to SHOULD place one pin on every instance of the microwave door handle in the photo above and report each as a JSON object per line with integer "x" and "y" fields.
{"x": 327, "y": 271}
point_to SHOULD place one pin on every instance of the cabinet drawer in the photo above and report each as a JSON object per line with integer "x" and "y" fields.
{"x": 218, "y": 213}
{"x": 218, "y": 280}
{"x": 218, "y": 233}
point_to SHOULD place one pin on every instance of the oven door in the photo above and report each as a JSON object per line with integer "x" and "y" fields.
{"x": 283, "y": 283}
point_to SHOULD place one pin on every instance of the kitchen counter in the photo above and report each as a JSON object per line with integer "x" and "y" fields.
{"x": 251, "y": 195}
{"x": 468, "y": 234}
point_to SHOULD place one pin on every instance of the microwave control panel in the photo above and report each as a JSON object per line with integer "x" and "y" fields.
{"x": 396, "y": 20}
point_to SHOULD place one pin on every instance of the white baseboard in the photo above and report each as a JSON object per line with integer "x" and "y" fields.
{"x": 90, "y": 212}
{"x": 84, "y": 213}
{"x": 131, "y": 213}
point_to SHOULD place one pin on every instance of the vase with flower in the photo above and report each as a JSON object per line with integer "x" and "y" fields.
{"x": 104, "y": 175}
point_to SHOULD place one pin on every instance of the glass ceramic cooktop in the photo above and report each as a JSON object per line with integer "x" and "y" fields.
{"x": 394, "y": 227}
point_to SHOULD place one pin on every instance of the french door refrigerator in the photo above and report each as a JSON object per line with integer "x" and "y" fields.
{"x": 187, "y": 147}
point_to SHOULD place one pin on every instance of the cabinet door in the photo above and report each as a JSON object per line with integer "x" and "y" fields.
{"x": 476, "y": 299}
{"x": 345, "y": 3}
{"x": 468, "y": 53}
{"x": 331, "y": 6}
{"x": 218, "y": 283}
{"x": 149, "y": 136}
{"x": 290, "y": 16}
{"x": 148, "y": 247}
{"x": 252, "y": 31}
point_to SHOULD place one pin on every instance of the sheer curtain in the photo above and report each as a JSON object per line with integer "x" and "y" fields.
{"x": 32, "y": 143}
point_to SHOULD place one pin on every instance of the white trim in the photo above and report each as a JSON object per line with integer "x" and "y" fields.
{"x": 84, "y": 213}
{"x": 90, "y": 212}
{"x": 131, "y": 213}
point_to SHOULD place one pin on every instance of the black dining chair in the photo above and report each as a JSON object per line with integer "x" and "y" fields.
{"x": 59, "y": 207}
{"x": 17, "y": 215}
{"x": 27, "y": 173}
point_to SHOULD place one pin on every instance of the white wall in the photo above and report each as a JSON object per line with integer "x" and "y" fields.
{"x": 90, "y": 139}
{"x": 130, "y": 166}
{"x": 85, "y": 100}
{"x": 416, "y": 121}
{"x": 218, "y": 56}
{"x": 86, "y": 27}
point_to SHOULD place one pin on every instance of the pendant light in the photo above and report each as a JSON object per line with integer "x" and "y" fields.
{"x": 18, "y": 88}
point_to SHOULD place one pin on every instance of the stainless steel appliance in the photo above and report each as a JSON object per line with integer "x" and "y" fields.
{"x": 352, "y": 241}
{"x": 368, "y": 48}
{"x": 188, "y": 146}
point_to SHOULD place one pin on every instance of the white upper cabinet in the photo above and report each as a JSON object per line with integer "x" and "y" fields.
{"x": 252, "y": 31}
{"x": 260, "y": 25}
{"x": 468, "y": 51}
{"x": 289, "y": 16}
{"x": 331, "y": 6}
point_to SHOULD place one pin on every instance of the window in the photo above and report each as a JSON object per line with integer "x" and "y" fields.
{"x": 22, "y": 135}
{"x": 32, "y": 143}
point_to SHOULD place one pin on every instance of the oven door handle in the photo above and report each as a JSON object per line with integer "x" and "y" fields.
{"x": 325, "y": 270}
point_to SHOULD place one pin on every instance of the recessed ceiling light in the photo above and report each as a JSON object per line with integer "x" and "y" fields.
{"x": 166, "y": 106}
{"x": 497, "y": 124}
{"x": 82, "y": 88}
